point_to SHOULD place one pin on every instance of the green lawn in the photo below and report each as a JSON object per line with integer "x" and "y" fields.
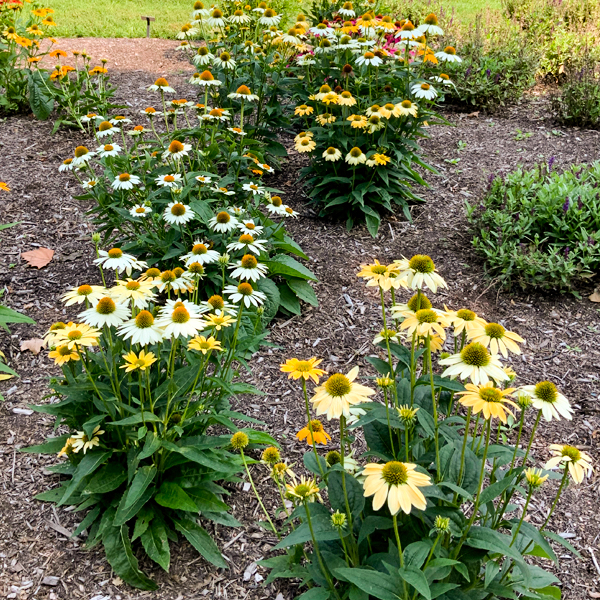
{"x": 110, "y": 18}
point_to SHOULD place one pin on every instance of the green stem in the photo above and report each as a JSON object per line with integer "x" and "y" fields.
{"x": 257, "y": 494}
{"x": 516, "y": 533}
{"x": 400, "y": 553}
{"x": 462, "y": 454}
{"x": 310, "y": 428}
{"x": 435, "y": 413}
{"x": 318, "y": 552}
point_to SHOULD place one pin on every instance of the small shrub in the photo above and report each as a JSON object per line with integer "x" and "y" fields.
{"x": 497, "y": 68}
{"x": 140, "y": 391}
{"x": 578, "y": 102}
{"x": 539, "y": 228}
{"x": 561, "y": 32}
{"x": 429, "y": 509}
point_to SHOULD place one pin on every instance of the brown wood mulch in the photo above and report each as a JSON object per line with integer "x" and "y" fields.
{"x": 39, "y": 560}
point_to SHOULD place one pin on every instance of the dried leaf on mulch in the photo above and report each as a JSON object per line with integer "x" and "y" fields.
{"x": 33, "y": 345}
{"x": 39, "y": 257}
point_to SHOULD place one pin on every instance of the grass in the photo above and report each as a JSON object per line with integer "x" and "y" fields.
{"x": 107, "y": 18}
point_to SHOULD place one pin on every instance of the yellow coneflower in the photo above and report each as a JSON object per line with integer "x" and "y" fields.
{"x": 398, "y": 483}
{"x": 489, "y": 400}
{"x": 305, "y": 369}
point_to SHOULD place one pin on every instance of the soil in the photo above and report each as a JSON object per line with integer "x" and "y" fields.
{"x": 562, "y": 334}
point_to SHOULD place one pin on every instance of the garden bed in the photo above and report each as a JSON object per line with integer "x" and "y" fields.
{"x": 561, "y": 333}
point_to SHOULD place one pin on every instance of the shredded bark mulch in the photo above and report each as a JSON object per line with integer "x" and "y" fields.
{"x": 39, "y": 560}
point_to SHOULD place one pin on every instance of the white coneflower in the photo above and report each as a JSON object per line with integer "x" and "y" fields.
{"x": 141, "y": 329}
{"x": 204, "y": 79}
{"x": 106, "y": 312}
{"x": 216, "y": 19}
{"x": 82, "y": 156}
{"x": 370, "y": 59}
{"x": 347, "y": 10}
{"x": 204, "y": 179}
{"x": 67, "y": 165}
{"x": 250, "y": 227}
{"x": 140, "y": 210}
{"x": 187, "y": 31}
{"x": 243, "y": 93}
{"x": 161, "y": 85}
{"x": 448, "y": 54}
{"x": 355, "y": 156}
{"x": 177, "y": 213}
{"x": 223, "y": 222}
{"x": 170, "y": 181}
{"x": 203, "y": 57}
{"x": 247, "y": 243}
{"x": 179, "y": 320}
{"x": 269, "y": 18}
{"x": 88, "y": 184}
{"x": 119, "y": 119}
{"x": 125, "y": 181}
{"x": 424, "y": 90}
{"x": 222, "y": 190}
{"x": 245, "y": 294}
{"x": 106, "y": 128}
{"x": 239, "y": 18}
{"x": 201, "y": 254}
{"x": 224, "y": 61}
{"x": 108, "y": 150}
{"x": 91, "y": 117}
{"x": 118, "y": 261}
{"x": 253, "y": 188}
{"x": 177, "y": 150}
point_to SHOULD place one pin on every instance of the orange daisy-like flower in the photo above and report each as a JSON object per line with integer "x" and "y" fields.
{"x": 318, "y": 433}
{"x": 303, "y": 368}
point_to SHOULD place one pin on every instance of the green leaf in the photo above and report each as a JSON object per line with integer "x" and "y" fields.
{"x": 8, "y": 315}
{"x": 107, "y": 479}
{"x": 120, "y": 557}
{"x": 282, "y": 264}
{"x": 271, "y": 306}
{"x": 371, "y": 524}
{"x": 136, "y": 420}
{"x": 494, "y": 490}
{"x": 199, "y": 538}
{"x": 316, "y": 593}
{"x": 416, "y": 553}
{"x": 205, "y": 500}
{"x": 304, "y": 291}
{"x": 288, "y": 299}
{"x": 171, "y": 495}
{"x": 142, "y": 522}
{"x": 88, "y": 520}
{"x": 354, "y": 490}
{"x": 89, "y": 463}
{"x": 562, "y": 541}
{"x": 550, "y": 591}
{"x": 53, "y": 495}
{"x": 485, "y": 538}
{"x": 41, "y": 100}
{"x": 376, "y": 584}
{"x": 143, "y": 478}
{"x": 452, "y": 385}
{"x": 50, "y": 446}
{"x": 156, "y": 543}
{"x": 373, "y": 221}
{"x": 151, "y": 445}
{"x": 417, "y": 579}
{"x": 322, "y": 527}
{"x": 531, "y": 532}
{"x": 124, "y": 514}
